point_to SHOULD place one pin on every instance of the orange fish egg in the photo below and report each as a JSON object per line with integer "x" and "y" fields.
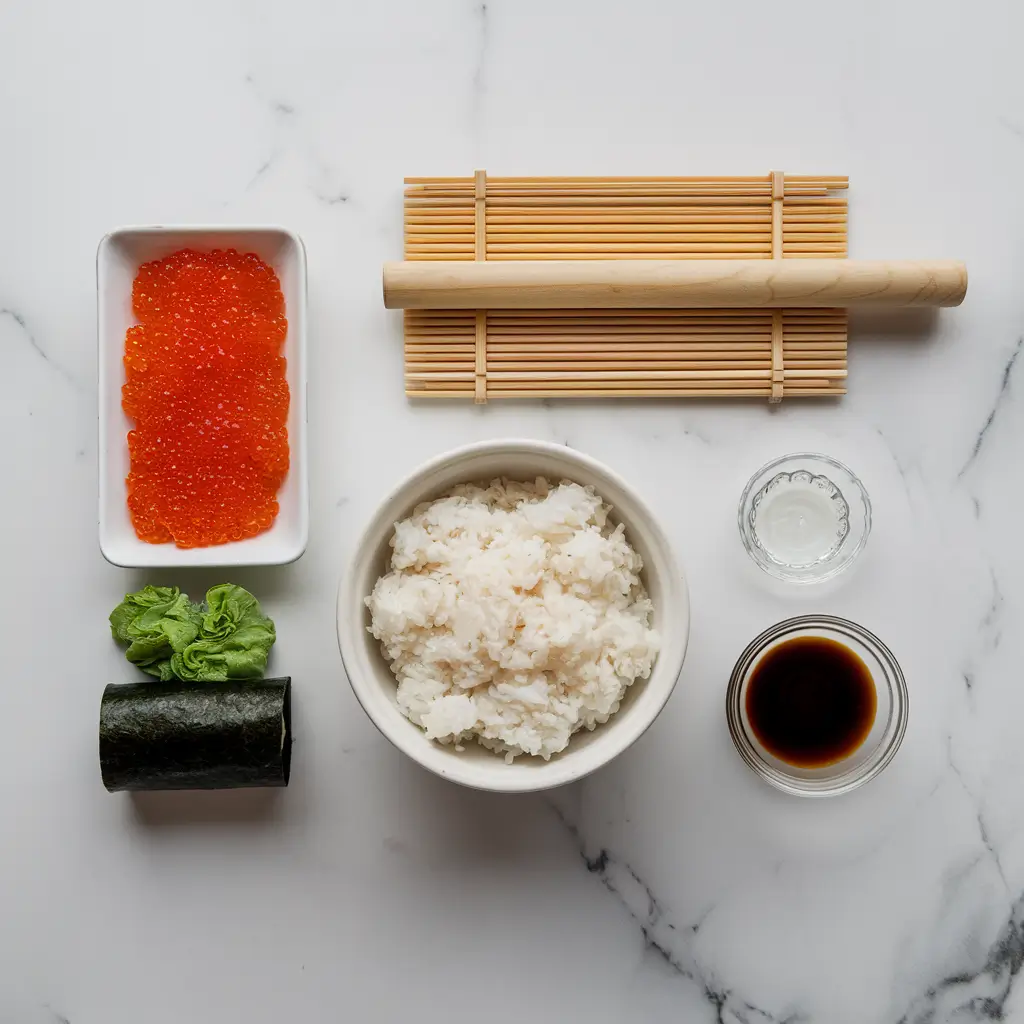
{"x": 205, "y": 388}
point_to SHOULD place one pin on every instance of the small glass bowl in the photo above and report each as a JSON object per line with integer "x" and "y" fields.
{"x": 882, "y": 742}
{"x": 804, "y": 518}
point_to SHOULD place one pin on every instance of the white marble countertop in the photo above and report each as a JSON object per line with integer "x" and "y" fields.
{"x": 673, "y": 885}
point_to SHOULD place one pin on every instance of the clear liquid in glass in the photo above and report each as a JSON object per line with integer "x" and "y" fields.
{"x": 800, "y": 518}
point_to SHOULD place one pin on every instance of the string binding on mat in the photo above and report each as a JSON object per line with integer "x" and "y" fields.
{"x": 778, "y": 334}
{"x": 480, "y": 253}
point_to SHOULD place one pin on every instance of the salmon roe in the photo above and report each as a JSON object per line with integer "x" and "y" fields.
{"x": 205, "y": 386}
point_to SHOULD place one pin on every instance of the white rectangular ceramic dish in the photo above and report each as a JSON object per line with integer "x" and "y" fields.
{"x": 118, "y": 259}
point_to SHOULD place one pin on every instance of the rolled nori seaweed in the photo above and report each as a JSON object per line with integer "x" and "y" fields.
{"x": 196, "y": 735}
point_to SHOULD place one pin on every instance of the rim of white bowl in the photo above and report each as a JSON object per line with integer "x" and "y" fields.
{"x": 621, "y": 734}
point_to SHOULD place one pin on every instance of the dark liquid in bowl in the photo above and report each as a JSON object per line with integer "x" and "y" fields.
{"x": 811, "y": 701}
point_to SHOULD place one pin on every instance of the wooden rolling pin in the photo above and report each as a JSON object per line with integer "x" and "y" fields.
{"x": 624, "y": 284}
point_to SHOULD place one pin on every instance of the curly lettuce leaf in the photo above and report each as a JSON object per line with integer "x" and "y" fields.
{"x": 234, "y": 639}
{"x": 155, "y": 622}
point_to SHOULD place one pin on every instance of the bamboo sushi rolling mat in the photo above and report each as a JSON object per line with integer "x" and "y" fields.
{"x": 553, "y": 353}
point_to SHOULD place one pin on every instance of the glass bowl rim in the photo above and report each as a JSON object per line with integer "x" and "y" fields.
{"x": 775, "y": 569}
{"x": 889, "y": 742}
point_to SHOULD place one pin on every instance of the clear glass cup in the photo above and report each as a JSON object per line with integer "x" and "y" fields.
{"x": 804, "y": 518}
{"x": 887, "y": 730}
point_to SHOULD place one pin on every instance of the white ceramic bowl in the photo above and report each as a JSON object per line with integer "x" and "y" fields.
{"x": 372, "y": 679}
{"x": 118, "y": 258}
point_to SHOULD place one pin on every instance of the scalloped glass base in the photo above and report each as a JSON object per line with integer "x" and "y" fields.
{"x": 799, "y": 519}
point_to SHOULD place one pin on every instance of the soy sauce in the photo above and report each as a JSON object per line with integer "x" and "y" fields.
{"x": 811, "y": 701}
